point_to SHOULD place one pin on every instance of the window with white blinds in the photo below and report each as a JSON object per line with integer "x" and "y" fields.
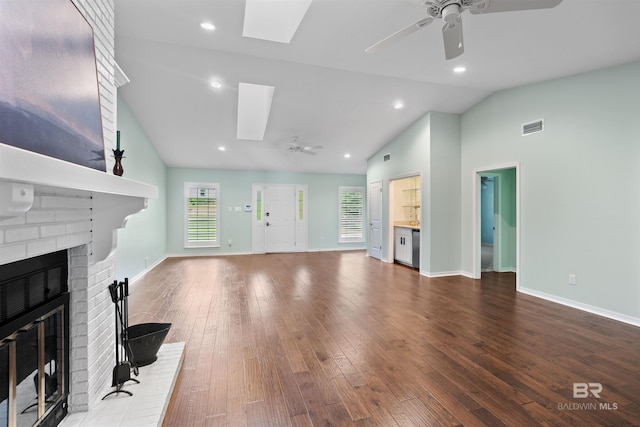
{"x": 351, "y": 220}
{"x": 202, "y": 226}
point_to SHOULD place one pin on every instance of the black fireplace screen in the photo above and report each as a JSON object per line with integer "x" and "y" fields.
{"x": 34, "y": 343}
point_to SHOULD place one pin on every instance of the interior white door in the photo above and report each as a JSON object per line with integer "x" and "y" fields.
{"x": 375, "y": 223}
{"x": 279, "y": 217}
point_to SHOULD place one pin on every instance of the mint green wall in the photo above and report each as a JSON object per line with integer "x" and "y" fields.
{"x": 142, "y": 242}
{"x": 444, "y": 204}
{"x": 579, "y": 182}
{"x": 235, "y": 190}
{"x": 430, "y": 146}
{"x": 409, "y": 153}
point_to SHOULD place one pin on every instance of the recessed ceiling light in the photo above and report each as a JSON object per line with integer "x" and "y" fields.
{"x": 346, "y": 156}
{"x": 207, "y": 26}
{"x": 222, "y": 148}
{"x": 216, "y": 84}
{"x": 459, "y": 70}
{"x": 398, "y": 105}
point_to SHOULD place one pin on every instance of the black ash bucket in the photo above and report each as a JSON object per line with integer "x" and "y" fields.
{"x": 145, "y": 340}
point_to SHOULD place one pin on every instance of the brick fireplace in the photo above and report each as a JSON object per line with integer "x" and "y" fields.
{"x": 48, "y": 205}
{"x": 81, "y": 222}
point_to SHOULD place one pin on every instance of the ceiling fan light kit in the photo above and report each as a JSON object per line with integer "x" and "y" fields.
{"x": 450, "y": 11}
{"x": 295, "y": 147}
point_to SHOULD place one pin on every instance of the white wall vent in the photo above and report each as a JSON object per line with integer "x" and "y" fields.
{"x": 387, "y": 157}
{"x": 533, "y": 127}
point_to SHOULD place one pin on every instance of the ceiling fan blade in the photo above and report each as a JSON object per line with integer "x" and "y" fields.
{"x": 399, "y": 35}
{"x": 492, "y": 6}
{"x": 453, "y": 42}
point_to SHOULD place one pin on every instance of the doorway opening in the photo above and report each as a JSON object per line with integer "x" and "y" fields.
{"x": 489, "y": 242}
{"x": 496, "y": 232}
{"x": 405, "y": 219}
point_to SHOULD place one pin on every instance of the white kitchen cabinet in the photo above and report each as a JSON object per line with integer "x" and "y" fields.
{"x": 403, "y": 246}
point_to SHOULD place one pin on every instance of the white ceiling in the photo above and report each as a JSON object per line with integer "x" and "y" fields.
{"x": 327, "y": 90}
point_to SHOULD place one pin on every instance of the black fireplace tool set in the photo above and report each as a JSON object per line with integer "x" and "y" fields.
{"x": 119, "y": 292}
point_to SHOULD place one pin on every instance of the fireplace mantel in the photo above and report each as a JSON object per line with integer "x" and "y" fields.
{"x": 114, "y": 198}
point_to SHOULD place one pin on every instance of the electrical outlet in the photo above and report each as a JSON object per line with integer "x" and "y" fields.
{"x": 230, "y": 242}
{"x": 572, "y": 279}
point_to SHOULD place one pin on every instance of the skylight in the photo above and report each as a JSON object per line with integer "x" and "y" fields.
{"x": 254, "y": 105}
{"x": 273, "y": 20}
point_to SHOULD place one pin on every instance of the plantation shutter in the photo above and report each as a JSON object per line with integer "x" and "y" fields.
{"x": 351, "y": 222}
{"x": 202, "y": 228}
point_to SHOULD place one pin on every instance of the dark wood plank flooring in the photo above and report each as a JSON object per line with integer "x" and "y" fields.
{"x": 337, "y": 338}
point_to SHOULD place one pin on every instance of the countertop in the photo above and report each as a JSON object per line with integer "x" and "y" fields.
{"x": 403, "y": 225}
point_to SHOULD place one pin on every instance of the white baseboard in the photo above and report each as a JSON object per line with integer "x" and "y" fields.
{"x": 440, "y": 274}
{"x": 206, "y": 254}
{"x": 584, "y": 307}
{"x": 145, "y": 271}
{"x": 210, "y": 254}
{"x": 467, "y": 274}
{"x": 335, "y": 249}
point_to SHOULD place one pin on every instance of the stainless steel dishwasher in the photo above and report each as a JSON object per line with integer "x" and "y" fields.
{"x": 415, "y": 239}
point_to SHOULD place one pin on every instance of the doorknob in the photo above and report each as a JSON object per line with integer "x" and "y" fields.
{"x": 267, "y": 224}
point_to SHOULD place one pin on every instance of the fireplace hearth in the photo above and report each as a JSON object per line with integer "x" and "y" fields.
{"x": 34, "y": 340}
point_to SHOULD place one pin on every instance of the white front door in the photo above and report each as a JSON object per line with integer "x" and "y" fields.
{"x": 375, "y": 215}
{"x": 279, "y": 218}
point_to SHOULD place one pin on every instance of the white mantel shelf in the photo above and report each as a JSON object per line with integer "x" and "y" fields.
{"x": 115, "y": 198}
{"x": 17, "y": 165}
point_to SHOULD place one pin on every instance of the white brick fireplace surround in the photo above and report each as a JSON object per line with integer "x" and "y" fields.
{"x": 48, "y": 205}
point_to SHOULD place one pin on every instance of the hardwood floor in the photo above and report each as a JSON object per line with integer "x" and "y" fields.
{"x": 337, "y": 338}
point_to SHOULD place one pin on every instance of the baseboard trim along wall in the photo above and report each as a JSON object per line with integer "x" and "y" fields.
{"x": 467, "y": 274}
{"x": 584, "y": 307}
{"x": 205, "y": 254}
{"x": 140, "y": 275}
{"x": 335, "y": 249}
{"x": 442, "y": 274}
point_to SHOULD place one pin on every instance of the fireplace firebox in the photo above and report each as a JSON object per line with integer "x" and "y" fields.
{"x": 34, "y": 341}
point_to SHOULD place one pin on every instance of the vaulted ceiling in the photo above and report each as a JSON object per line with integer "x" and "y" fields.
{"x": 327, "y": 91}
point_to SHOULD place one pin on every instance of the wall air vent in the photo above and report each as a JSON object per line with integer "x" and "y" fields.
{"x": 387, "y": 157}
{"x": 532, "y": 127}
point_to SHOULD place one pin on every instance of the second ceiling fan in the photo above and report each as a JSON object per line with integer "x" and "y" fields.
{"x": 450, "y": 11}
{"x": 295, "y": 147}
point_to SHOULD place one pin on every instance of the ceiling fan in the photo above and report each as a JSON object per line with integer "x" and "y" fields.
{"x": 295, "y": 147}
{"x": 450, "y": 11}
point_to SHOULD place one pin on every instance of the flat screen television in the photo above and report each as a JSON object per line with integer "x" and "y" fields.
{"x": 49, "y": 99}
